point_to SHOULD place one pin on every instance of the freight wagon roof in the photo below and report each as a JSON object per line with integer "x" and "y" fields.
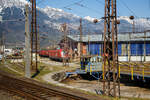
{"x": 121, "y": 37}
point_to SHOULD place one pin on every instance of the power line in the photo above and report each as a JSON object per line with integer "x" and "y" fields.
{"x": 84, "y": 6}
{"x": 149, "y": 3}
{"x": 118, "y": 10}
{"x": 131, "y": 11}
{"x": 39, "y": 2}
{"x": 78, "y": 3}
{"x": 68, "y": 7}
{"x": 72, "y": 4}
{"x": 100, "y": 2}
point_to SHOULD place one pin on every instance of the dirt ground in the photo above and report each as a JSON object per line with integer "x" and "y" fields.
{"x": 9, "y": 96}
{"x": 94, "y": 85}
{"x": 127, "y": 90}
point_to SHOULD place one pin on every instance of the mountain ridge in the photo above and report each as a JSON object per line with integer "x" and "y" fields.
{"x": 50, "y": 21}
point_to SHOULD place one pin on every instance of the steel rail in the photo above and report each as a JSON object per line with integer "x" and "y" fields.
{"x": 38, "y": 91}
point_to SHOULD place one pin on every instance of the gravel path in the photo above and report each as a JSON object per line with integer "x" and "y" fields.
{"x": 48, "y": 77}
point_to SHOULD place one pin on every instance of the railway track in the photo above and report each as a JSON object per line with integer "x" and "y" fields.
{"x": 30, "y": 89}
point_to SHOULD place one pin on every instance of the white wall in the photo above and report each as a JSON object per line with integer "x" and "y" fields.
{"x": 134, "y": 58}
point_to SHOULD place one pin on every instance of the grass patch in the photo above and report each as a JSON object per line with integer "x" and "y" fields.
{"x": 45, "y": 69}
{"x": 130, "y": 98}
{"x": 6, "y": 69}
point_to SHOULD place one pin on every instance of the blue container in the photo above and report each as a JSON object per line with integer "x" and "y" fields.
{"x": 137, "y": 49}
{"x": 94, "y": 49}
{"x": 133, "y": 49}
{"x": 147, "y": 49}
{"x": 140, "y": 49}
{"x": 119, "y": 49}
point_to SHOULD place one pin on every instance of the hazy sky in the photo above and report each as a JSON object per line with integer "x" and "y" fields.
{"x": 95, "y": 8}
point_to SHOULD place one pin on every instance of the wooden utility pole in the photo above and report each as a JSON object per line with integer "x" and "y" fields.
{"x": 111, "y": 51}
{"x": 27, "y": 45}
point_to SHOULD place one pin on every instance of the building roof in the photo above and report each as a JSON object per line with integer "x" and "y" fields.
{"x": 121, "y": 37}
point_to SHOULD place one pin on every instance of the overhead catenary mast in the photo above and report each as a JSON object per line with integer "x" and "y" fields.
{"x": 27, "y": 45}
{"x": 81, "y": 44}
{"x": 34, "y": 36}
{"x": 65, "y": 43}
{"x": 110, "y": 51}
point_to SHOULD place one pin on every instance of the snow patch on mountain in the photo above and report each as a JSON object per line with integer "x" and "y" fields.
{"x": 54, "y": 17}
{"x": 48, "y": 8}
{"x": 143, "y": 22}
{"x": 11, "y": 3}
{"x": 57, "y": 13}
{"x": 125, "y": 18}
{"x": 89, "y": 18}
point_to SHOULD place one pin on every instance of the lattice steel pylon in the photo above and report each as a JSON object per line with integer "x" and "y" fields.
{"x": 81, "y": 44}
{"x": 65, "y": 44}
{"x": 34, "y": 35}
{"x": 111, "y": 80}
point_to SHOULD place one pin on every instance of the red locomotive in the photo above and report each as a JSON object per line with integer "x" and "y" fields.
{"x": 57, "y": 54}
{"x": 44, "y": 53}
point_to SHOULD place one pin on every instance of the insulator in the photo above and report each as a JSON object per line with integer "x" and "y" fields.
{"x": 95, "y": 20}
{"x": 118, "y": 21}
{"x": 131, "y": 17}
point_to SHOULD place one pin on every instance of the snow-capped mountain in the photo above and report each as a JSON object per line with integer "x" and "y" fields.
{"x": 89, "y": 18}
{"x": 12, "y": 3}
{"x": 50, "y": 21}
{"x": 140, "y": 24}
{"x": 138, "y": 21}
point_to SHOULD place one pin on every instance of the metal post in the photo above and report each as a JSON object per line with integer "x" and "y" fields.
{"x": 36, "y": 62}
{"x": 27, "y": 45}
{"x": 144, "y": 46}
{"x": 34, "y": 37}
{"x": 32, "y": 23}
{"x": 88, "y": 45}
{"x": 117, "y": 77}
{"x": 3, "y": 47}
{"x": 110, "y": 50}
{"x": 81, "y": 44}
{"x": 133, "y": 31}
{"x": 129, "y": 45}
{"x": 3, "y": 40}
{"x": 64, "y": 29}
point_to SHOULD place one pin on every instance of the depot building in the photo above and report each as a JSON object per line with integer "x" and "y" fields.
{"x": 133, "y": 46}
